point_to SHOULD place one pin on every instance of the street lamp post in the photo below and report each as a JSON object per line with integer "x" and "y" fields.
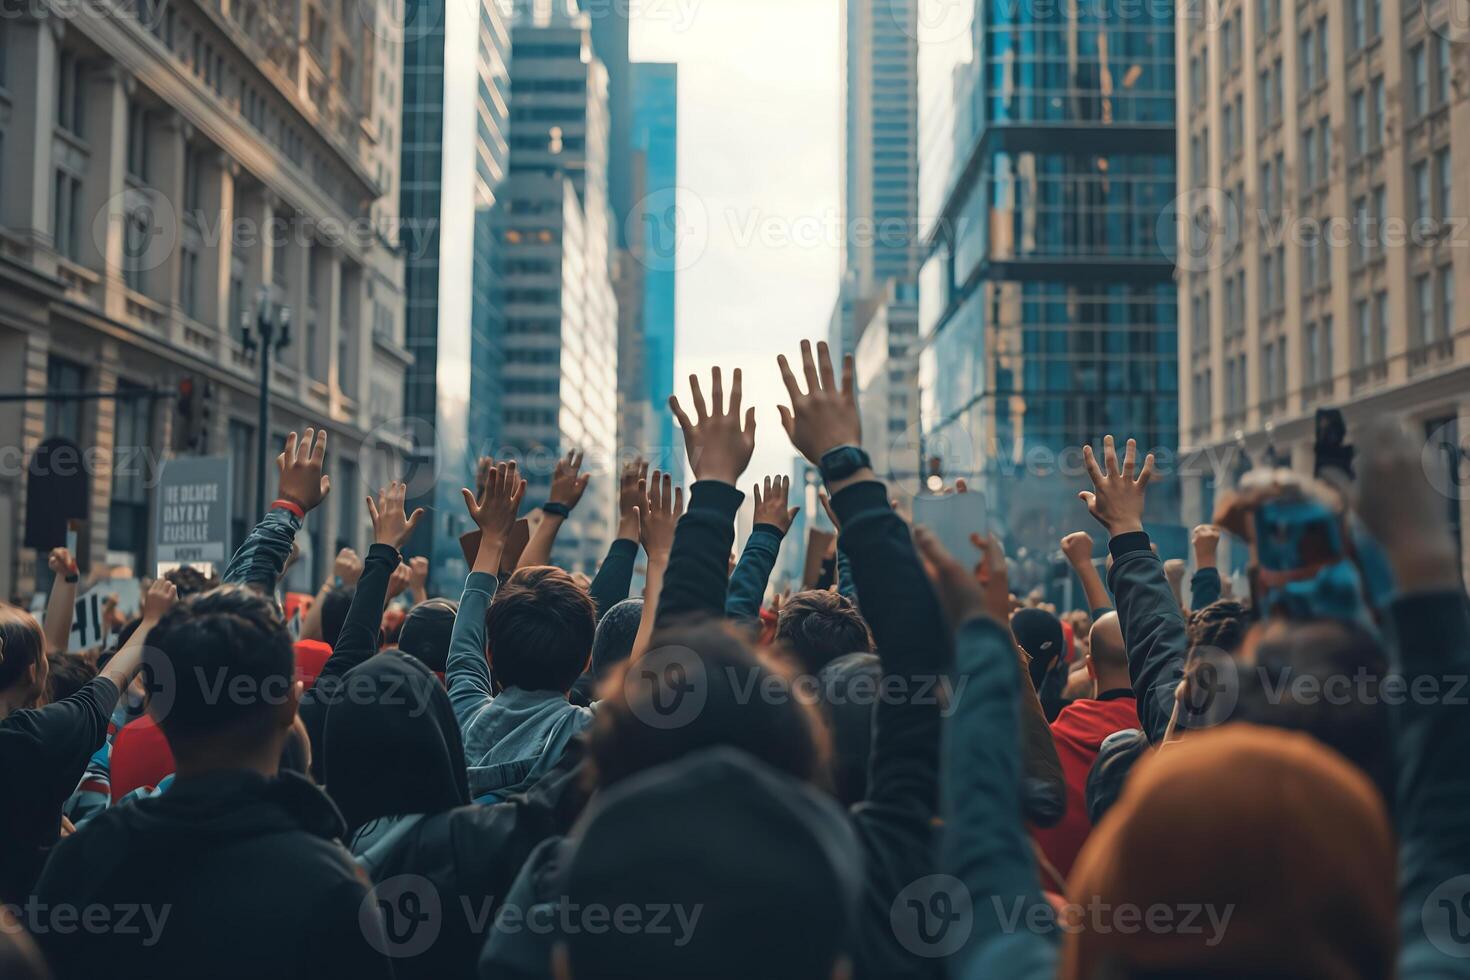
{"x": 272, "y": 325}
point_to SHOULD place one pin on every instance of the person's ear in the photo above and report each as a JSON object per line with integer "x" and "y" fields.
{"x": 561, "y": 963}
{"x": 290, "y": 704}
{"x": 1091, "y": 667}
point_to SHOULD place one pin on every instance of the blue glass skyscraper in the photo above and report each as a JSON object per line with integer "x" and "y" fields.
{"x": 656, "y": 142}
{"x": 1048, "y": 307}
{"x": 455, "y": 150}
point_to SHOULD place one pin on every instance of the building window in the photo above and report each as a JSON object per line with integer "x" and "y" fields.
{"x": 1359, "y": 105}
{"x": 136, "y": 235}
{"x": 1380, "y": 111}
{"x": 1447, "y": 301}
{"x": 70, "y": 95}
{"x": 1380, "y": 310}
{"x": 242, "y": 475}
{"x": 1357, "y": 24}
{"x": 1423, "y": 207}
{"x": 1419, "y": 79}
{"x": 127, "y": 524}
{"x": 1307, "y": 49}
{"x": 1312, "y": 354}
{"x": 1424, "y": 295}
{"x": 1361, "y": 231}
{"x": 1363, "y": 322}
{"x": 189, "y": 281}
{"x": 1445, "y": 68}
{"x": 138, "y": 143}
{"x": 1380, "y": 213}
{"x": 66, "y": 215}
{"x": 64, "y": 418}
{"x": 1446, "y": 185}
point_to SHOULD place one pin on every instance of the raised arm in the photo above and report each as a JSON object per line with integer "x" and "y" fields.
{"x": 615, "y": 576}
{"x": 62, "y": 602}
{"x": 568, "y": 483}
{"x": 126, "y": 663}
{"x": 467, "y": 674}
{"x": 262, "y": 558}
{"x": 719, "y": 449}
{"x": 753, "y": 572}
{"x": 1077, "y": 547}
{"x": 1153, "y": 624}
{"x": 985, "y": 845}
{"x": 1205, "y": 586}
{"x": 346, "y": 570}
{"x": 1429, "y": 627}
{"x": 662, "y": 508}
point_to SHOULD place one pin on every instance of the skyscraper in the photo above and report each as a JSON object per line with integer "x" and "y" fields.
{"x": 879, "y": 131}
{"x": 455, "y": 150}
{"x": 1327, "y": 146}
{"x": 561, "y": 341}
{"x": 1048, "y": 311}
{"x": 656, "y": 149}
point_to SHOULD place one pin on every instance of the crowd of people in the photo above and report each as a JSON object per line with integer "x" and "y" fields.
{"x": 904, "y": 771}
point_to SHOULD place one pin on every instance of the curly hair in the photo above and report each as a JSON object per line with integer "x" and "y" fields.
{"x": 1223, "y": 624}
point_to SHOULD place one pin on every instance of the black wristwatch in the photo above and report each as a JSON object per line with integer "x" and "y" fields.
{"x": 554, "y": 509}
{"x": 843, "y": 462}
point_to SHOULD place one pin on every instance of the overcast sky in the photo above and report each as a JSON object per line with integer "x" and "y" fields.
{"x": 758, "y": 162}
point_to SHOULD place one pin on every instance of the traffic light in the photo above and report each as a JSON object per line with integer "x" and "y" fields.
{"x": 195, "y": 409}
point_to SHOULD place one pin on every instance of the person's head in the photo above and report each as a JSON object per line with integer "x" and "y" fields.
{"x": 1039, "y": 633}
{"x": 67, "y": 674}
{"x": 849, "y": 688}
{"x": 539, "y": 630}
{"x": 1323, "y": 677}
{"x": 425, "y": 632}
{"x": 393, "y": 748}
{"x": 1116, "y": 757}
{"x": 1222, "y": 625}
{"x": 223, "y": 670}
{"x": 703, "y": 685}
{"x": 616, "y": 632}
{"x": 768, "y": 865}
{"x": 817, "y": 627}
{"x": 189, "y": 580}
{"x": 335, "y": 605}
{"x": 23, "y": 667}
{"x": 1218, "y": 822}
{"x": 1107, "y": 655}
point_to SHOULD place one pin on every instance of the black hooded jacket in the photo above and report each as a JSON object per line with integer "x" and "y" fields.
{"x": 394, "y": 763}
{"x": 228, "y": 875}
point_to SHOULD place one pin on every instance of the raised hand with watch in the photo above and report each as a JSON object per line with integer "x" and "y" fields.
{"x": 823, "y": 421}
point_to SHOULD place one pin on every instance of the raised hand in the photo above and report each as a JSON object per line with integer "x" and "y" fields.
{"x": 661, "y": 515}
{"x": 568, "y": 483}
{"x": 1402, "y": 509}
{"x": 967, "y": 592}
{"x": 631, "y": 495}
{"x": 719, "y": 447}
{"x": 825, "y": 416}
{"x": 418, "y": 576}
{"x": 397, "y": 582}
{"x": 347, "y": 567}
{"x": 494, "y": 512}
{"x": 159, "y": 599}
{"x": 1206, "y": 541}
{"x": 770, "y": 505}
{"x": 1118, "y": 493}
{"x": 61, "y": 563}
{"x": 390, "y": 524}
{"x": 302, "y": 482}
{"x": 1077, "y": 547}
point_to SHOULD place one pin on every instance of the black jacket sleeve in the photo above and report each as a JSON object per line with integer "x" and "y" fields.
{"x": 699, "y": 565}
{"x": 752, "y": 573}
{"x": 1153, "y": 630}
{"x": 1205, "y": 587}
{"x": 615, "y": 577}
{"x": 356, "y": 643}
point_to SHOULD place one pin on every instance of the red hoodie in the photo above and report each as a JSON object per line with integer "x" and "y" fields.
{"x": 1078, "y": 733}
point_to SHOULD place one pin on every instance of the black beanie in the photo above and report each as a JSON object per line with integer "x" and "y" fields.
{"x": 1039, "y": 633}
{"x": 425, "y": 633}
{"x": 1115, "y": 759}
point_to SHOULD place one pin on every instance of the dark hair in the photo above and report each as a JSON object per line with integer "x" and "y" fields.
{"x": 67, "y": 674}
{"x": 616, "y": 633}
{"x": 1223, "y": 625}
{"x": 335, "y": 605}
{"x": 189, "y": 580}
{"x": 425, "y": 631}
{"x": 849, "y": 698}
{"x": 817, "y": 627}
{"x": 539, "y": 629}
{"x": 229, "y": 661}
{"x": 22, "y": 644}
{"x": 743, "y": 698}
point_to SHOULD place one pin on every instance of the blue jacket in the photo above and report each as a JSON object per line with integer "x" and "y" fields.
{"x": 511, "y": 739}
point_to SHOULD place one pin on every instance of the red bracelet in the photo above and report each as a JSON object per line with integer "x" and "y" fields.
{"x": 281, "y": 503}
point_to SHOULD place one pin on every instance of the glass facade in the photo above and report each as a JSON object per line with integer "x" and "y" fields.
{"x": 656, "y": 138}
{"x": 455, "y": 149}
{"x": 1047, "y": 303}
